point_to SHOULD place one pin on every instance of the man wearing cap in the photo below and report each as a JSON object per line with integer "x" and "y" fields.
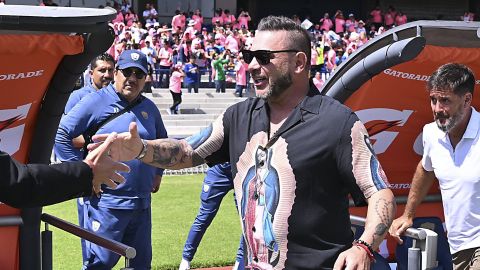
{"x": 122, "y": 214}
{"x": 101, "y": 75}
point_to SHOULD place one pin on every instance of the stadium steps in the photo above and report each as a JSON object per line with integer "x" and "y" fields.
{"x": 197, "y": 111}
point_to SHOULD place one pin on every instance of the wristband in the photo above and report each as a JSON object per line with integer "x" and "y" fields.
{"x": 360, "y": 241}
{"x": 365, "y": 248}
{"x": 144, "y": 150}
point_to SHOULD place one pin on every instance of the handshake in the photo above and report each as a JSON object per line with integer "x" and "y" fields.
{"x": 108, "y": 150}
{"x": 105, "y": 155}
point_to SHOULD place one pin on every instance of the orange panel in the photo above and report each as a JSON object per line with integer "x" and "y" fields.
{"x": 28, "y": 63}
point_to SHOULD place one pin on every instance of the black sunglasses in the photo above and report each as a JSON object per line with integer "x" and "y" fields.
{"x": 127, "y": 72}
{"x": 263, "y": 56}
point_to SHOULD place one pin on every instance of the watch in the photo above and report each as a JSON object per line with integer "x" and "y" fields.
{"x": 144, "y": 150}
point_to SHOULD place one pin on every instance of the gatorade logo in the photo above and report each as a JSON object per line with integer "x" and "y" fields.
{"x": 21, "y": 75}
{"x": 11, "y": 133}
{"x": 386, "y": 118}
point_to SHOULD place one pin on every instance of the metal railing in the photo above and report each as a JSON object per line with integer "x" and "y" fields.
{"x": 112, "y": 245}
{"x": 423, "y": 253}
{"x": 8, "y": 221}
{"x": 193, "y": 170}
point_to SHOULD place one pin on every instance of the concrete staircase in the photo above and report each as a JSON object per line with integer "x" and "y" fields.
{"x": 197, "y": 110}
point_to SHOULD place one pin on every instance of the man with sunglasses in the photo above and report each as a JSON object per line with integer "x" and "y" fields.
{"x": 296, "y": 158}
{"x": 123, "y": 214}
{"x": 100, "y": 76}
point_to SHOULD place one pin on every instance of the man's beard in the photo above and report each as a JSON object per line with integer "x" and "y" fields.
{"x": 277, "y": 87}
{"x": 450, "y": 122}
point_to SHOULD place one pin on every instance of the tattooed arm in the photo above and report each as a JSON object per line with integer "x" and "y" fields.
{"x": 381, "y": 210}
{"x": 361, "y": 161}
{"x": 162, "y": 153}
{"x": 171, "y": 154}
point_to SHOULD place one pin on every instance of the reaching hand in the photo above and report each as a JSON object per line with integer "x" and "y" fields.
{"x": 105, "y": 170}
{"x": 126, "y": 146}
{"x": 399, "y": 226}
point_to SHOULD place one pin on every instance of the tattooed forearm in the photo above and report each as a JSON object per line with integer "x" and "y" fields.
{"x": 380, "y": 229}
{"x": 383, "y": 208}
{"x": 165, "y": 153}
{"x": 170, "y": 153}
{"x": 384, "y": 213}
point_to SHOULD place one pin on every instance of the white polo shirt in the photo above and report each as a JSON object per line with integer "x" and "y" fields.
{"x": 458, "y": 173}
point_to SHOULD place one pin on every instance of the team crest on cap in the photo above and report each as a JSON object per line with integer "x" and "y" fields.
{"x": 135, "y": 56}
{"x": 145, "y": 115}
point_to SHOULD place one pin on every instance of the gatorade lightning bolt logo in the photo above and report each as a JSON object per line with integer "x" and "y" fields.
{"x": 11, "y": 131}
{"x": 379, "y": 121}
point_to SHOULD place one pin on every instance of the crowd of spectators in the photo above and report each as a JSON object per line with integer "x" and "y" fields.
{"x": 213, "y": 47}
{"x": 200, "y": 47}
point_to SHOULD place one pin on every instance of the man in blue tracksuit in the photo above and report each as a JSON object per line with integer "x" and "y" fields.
{"x": 101, "y": 75}
{"x": 122, "y": 214}
{"x": 216, "y": 184}
{"x": 192, "y": 76}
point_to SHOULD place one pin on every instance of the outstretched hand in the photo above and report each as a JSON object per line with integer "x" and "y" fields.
{"x": 126, "y": 146}
{"x": 105, "y": 170}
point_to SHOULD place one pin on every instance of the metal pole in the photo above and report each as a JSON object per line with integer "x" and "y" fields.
{"x": 127, "y": 265}
{"x": 47, "y": 254}
{"x": 414, "y": 258}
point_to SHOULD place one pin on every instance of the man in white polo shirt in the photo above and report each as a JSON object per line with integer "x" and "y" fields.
{"x": 452, "y": 155}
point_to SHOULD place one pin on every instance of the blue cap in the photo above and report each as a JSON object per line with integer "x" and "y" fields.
{"x": 133, "y": 58}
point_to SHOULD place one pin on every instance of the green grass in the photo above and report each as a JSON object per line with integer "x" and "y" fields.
{"x": 174, "y": 208}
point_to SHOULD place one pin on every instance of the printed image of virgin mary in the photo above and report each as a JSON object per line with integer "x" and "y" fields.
{"x": 261, "y": 193}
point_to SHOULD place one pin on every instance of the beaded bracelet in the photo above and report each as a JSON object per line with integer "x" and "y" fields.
{"x": 365, "y": 246}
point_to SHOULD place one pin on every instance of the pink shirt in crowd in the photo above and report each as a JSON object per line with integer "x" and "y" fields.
{"x": 119, "y": 18}
{"x": 215, "y": 18}
{"x": 175, "y": 82}
{"x": 177, "y": 22}
{"x": 228, "y": 19}
{"x": 339, "y": 25}
{"x": 241, "y": 70}
{"x": 376, "y": 16}
{"x": 399, "y": 20}
{"x": 231, "y": 44}
{"x": 129, "y": 18}
{"x": 389, "y": 19}
{"x": 326, "y": 24}
{"x": 198, "y": 22}
{"x": 165, "y": 56}
{"x": 243, "y": 21}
